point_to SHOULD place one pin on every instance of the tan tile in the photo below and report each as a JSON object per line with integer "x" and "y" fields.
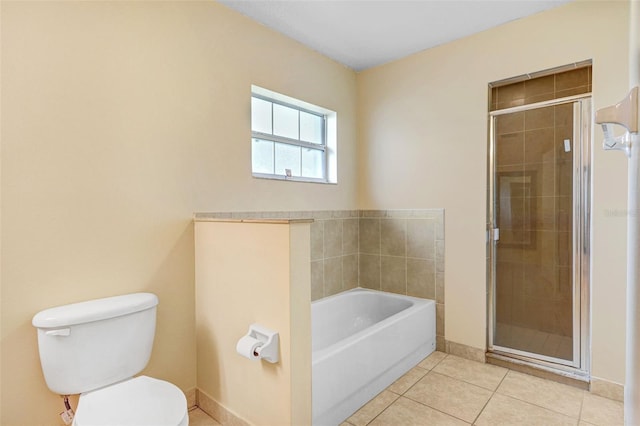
{"x": 192, "y": 398}
{"x": 393, "y": 274}
{"x": 601, "y": 411}
{"x": 432, "y": 360}
{"x": 451, "y": 396}
{"x": 539, "y": 117}
{"x": 607, "y": 389}
{"x": 439, "y": 255}
{"x": 510, "y": 95}
{"x": 369, "y": 271}
{"x": 571, "y": 79}
{"x": 483, "y": 375}
{"x": 421, "y": 276}
{"x": 198, "y": 417}
{"x": 410, "y": 378}
{"x": 350, "y": 236}
{"x": 393, "y": 237}
{"x": 439, "y": 287}
{"x": 560, "y": 398}
{"x": 539, "y": 146}
{"x": 439, "y": 319}
{"x": 421, "y": 238}
{"x": 369, "y": 236}
{"x": 332, "y": 276}
{"x": 317, "y": 280}
{"x": 349, "y": 271}
{"x": 502, "y": 410}
{"x": 494, "y": 99}
{"x": 467, "y": 352}
{"x": 372, "y": 408}
{"x": 332, "y": 238}
{"x": 510, "y": 149}
{"x": 405, "y": 412}
{"x": 538, "y": 87}
{"x": 317, "y": 240}
{"x": 510, "y": 123}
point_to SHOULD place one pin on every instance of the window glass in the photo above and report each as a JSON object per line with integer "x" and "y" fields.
{"x": 262, "y": 156}
{"x": 285, "y": 121}
{"x": 311, "y": 127}
{"x": 312, "y": 163}
{"x": 287, "y": 157}
{"x": 261, "y": 115}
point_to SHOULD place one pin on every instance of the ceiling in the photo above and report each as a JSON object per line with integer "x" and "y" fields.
{"x": 364, "y": 33}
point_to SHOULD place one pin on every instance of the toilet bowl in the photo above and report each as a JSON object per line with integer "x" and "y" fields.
{"x": 141, "y": 401}
{"x": 94, "y": 349}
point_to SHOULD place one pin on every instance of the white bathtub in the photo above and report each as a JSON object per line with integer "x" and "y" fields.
{"x": 362, "y": 341}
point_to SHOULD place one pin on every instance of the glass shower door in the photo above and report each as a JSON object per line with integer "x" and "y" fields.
{"x": 538, "y": 196}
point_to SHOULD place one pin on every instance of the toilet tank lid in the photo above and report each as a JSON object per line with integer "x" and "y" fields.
{"x": 94, "y": 310}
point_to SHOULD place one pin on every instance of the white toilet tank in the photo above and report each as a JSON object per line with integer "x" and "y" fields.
{"x": 88, "y": 345}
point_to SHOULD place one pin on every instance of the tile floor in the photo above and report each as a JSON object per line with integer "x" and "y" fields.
{"x": 449, "y": 390}
{"x": 536, "y": 341}
{"x": 197, "y": 417}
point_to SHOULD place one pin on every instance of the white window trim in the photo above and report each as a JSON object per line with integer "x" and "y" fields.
{"x": 330, "y": 137}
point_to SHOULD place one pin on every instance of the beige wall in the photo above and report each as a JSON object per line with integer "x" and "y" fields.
{"x": 254, "y": 273}
{"x": 428, "y": 113}
{"x": 119, "y": 120}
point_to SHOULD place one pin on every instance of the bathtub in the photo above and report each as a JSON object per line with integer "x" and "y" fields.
{"x": 362, "y": 341}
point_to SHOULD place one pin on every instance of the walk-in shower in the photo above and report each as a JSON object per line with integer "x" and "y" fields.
{"x": 538, "y": 219}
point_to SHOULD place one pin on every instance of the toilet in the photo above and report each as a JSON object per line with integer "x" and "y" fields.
{"x": 94, "y": 349}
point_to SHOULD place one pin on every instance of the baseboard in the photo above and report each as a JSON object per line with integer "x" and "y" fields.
{"x": 191, "y": 398}
{"x": 464, "y": 351}
{"x": 607, "y": 389}
{"x": 216, "y": 410}
{"x": 538, "y": 371}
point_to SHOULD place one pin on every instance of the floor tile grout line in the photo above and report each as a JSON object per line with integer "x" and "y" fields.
{"x": 537, "y": 405}
{"x": 452, "y": 378}
{"x": 435, "y": 409}
{"x": 465, "y": 381}
{"x": 385, "y": 408}
{"x": 483, "y": 408}
{"x": 493, "y": 393}
{"x": 477, "y": 362}
{"x": 446, "y": 355}
{"x": 584, "y": 393}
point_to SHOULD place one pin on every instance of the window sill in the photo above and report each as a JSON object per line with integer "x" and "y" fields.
{"x": 292, "y": 179}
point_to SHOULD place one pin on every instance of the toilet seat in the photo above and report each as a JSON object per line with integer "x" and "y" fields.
{"x": 140, "y": 401}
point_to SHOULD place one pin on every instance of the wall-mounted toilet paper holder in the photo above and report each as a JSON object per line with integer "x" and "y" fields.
{"x": 265, "y": 346}
{"x": 624, "y": 113}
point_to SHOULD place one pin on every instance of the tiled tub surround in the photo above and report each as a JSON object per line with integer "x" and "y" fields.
{"x": 402, "y": 251}
{"x": 334, "y": 252}
{"x": 398, "y": 251}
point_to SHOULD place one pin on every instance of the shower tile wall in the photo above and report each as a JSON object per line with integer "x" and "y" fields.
{"x": 534, "y": 186}
{"x": 568, "y": 83}
{"x": 533, "y": 178}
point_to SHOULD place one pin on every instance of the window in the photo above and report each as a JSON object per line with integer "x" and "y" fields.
{"x": 291, "y": 139}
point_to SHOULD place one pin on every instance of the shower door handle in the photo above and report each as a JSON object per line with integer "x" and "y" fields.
{"x": 496, "y": 234}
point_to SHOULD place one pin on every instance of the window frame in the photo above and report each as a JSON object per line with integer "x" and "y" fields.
{"x": 299, "y": 106}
